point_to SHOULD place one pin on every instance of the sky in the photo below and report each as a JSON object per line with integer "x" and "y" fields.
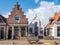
{"x": 44, "y": 9}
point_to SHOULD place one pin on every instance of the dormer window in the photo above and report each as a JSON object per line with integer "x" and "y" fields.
{"x": 17, "y": 19}
{"x": 1, "y": 20}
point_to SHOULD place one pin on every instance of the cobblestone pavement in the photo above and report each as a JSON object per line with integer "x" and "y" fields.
{"x": 16, "y": 42}
{"x": 19, "y": 42}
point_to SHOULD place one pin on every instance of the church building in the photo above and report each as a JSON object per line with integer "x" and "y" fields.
{"x": 15, "y": 26}
{"x": 35, "y": 28}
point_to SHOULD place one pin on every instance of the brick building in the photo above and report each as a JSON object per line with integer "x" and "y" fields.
{"x": 15, "y": 26}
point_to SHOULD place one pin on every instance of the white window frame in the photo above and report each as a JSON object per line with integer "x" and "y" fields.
{"x": 16, "y": 20}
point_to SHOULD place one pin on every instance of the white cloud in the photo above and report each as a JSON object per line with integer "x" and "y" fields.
{"x": 6, "y": 15}
{"x": 44, "y": 11}
{"x": 36, "y": 1}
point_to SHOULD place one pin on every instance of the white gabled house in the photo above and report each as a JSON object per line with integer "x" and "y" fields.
{"x": 35, "y": 28}
{"x": 53, "y": 28}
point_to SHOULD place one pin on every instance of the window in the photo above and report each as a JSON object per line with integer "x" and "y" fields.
{"x": 35, "y": 26}
{"x": 41, "y": 32}
{"x": 47, "y": 32}
{"x": 50, "y": 31}
{"x": 30, "y": 30}
{"x": 1, "y": 20}
{"x": 17, "y": 19}
{"x": 58, "y": 31}
{"x": 9, "y": 28}
{"x": 22, "y": 31}
{"x": 16, "y": 30}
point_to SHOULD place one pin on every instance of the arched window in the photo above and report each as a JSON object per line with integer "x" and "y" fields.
{"x": 30, "y": 30}
{"x": 35, "y": 25}
{"x": 17, "y": 19}
{"x": 1, "y": 20}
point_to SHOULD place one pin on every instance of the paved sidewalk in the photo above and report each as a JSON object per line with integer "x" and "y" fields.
{"x": 25, "y": 42}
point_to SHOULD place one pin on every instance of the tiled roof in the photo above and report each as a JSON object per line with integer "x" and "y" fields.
{"x": 55, "y": 19}
{"x": 48, "y": 25}
{"x": 3, "y": 18}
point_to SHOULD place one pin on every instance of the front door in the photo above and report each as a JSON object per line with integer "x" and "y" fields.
{"x": 9, "y": 34}
{"x": 1, "y": 34}
{"x": 36, "y": 33}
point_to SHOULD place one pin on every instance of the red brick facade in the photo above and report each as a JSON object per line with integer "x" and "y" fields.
{"x": 9, "y": 24}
